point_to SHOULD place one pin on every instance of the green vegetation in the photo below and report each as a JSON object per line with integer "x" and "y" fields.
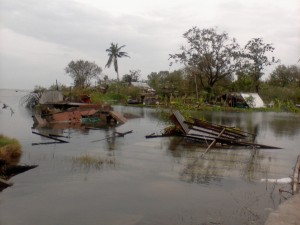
{"x": 10, "y": 149}
{"x": 114, "y": 52}
{"x": 88, "y": 161}
{"x": 213, "y": 64}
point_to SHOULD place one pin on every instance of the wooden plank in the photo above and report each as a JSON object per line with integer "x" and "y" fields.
{"x": 118, "y": 117}
{"x": 214, "y": 142}
{"x": 296, "y": 177}
{"x": 53, "y": 138}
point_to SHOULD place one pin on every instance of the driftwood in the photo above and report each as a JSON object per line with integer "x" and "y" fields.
{"x": 50, "y": 137}
{"x": 296, "y": 177}
{"x": 115, "y": 134}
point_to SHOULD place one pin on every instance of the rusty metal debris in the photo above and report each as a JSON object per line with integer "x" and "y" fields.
{"x": 210, "y": 134}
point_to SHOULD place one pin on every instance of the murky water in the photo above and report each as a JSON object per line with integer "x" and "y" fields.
{"x": 151, "y": 181}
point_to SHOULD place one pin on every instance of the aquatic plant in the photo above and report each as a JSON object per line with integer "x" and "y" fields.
{"x": 92, "y": 161}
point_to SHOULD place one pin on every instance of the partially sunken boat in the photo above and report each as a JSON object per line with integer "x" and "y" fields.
{"x": 55, "y": 109}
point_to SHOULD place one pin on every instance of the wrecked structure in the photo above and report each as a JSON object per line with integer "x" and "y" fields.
{"x": 54, "y": 108}
{"x": 210, "y": 134}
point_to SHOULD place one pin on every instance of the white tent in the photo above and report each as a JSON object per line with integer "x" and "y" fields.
{"x": 253, "y": 100}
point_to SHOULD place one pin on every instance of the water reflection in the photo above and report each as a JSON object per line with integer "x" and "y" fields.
{"x": 153, "y": 181}
{"x": 250, "y": 164}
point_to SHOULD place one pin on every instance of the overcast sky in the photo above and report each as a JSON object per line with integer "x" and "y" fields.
{"x": 38, "y": 38}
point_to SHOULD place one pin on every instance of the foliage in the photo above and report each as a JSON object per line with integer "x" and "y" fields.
{"x": 83, "y": 72}
{"x": 209, "y": 56}
{"x": 10, "y": 148}
{"x": 133, "y": 76}
{"x": 284, "y": 76}
{"x": 114, "y": 52}
{"x": 256, "y": 59}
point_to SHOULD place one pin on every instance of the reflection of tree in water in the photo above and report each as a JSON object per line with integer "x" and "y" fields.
{"x": 254, "y": 165}
{"x": 285, "y": 127}
{"x": 216, "y": 164}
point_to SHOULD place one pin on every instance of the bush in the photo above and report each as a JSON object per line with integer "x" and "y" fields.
{"x": 10, "y": 149}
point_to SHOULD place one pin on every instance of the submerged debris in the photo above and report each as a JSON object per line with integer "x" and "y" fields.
{"x": 55, "y": 108}
{"x": 210, "y": 134}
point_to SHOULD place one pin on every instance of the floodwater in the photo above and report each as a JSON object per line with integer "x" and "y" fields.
{"x": 149, "y": 181}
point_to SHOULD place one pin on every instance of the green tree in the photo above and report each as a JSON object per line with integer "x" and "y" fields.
{"x": 83, "y": 72}
{"x": 133, "y": 76}
{"x": 256, "y": 59}
{"x": 209, "y": 56}
{"x": 114, "y": 52}
{"x": 284, "y": 76}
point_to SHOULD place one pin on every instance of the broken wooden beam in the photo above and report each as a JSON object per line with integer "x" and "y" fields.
{"x": 296, "y": 177}
{"x": 53, "y": 138}
{"x": 214, "y": 142}
{"x": 118, "y": 117}
{"x": 115, "y": 134}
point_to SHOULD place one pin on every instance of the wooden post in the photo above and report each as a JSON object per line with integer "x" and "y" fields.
{"x": 214, "y": 142}
{"x": 296, "y": 176}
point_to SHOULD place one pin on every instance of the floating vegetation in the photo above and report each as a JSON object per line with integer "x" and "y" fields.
{"x": 93, "y": 161}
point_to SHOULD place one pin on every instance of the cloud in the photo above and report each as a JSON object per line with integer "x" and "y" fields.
{"x": 44, "y": 35}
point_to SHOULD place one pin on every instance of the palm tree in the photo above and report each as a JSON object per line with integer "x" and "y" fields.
{"x": 114, "y": 53}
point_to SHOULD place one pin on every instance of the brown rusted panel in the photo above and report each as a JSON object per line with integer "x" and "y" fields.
{"x": 73, "y": 116}
{"x": 117, "y": 116}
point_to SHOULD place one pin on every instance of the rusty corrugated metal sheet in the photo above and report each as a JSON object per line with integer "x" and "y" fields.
{"x": 117, "y": 116}
{"x": 178, "y": 120}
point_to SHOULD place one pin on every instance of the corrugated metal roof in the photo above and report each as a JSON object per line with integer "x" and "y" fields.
{"x": 253, "y": 100}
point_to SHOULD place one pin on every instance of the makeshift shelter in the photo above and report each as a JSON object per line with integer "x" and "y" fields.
{"x": 243, "y": 100}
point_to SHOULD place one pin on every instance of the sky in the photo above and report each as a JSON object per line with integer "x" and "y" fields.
{"x": 38, "y": 38}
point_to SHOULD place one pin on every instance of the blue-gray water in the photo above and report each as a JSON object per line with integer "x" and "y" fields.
{"x": 153, "y": 181}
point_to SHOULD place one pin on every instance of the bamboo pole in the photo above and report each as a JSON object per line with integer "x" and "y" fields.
{"x": 214, "y": 142}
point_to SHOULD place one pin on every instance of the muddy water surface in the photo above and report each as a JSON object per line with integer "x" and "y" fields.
{"x": 148, "y": 181}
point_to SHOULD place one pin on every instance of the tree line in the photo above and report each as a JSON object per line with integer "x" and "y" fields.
{"x": 212, "y": 63}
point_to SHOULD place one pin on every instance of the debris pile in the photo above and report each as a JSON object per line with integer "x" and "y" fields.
{"x": 71, "y": 112}
{"x": 210, "y": 134}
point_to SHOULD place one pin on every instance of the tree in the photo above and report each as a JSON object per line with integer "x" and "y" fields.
{"x": 114, "y": 52}
{"x": 284, "y": 76}
{"x": 83, "y": 72}
{"x": 209, "y": 56}
{"x": 133, "y": 76}
{"x": 256, "y": 58}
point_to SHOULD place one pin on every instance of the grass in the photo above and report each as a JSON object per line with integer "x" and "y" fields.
{"x": 10, "y": 149}
{"x": 91, "y": 161}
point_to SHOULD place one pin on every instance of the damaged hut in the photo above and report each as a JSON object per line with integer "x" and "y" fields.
{"x": 56, "y": 109}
